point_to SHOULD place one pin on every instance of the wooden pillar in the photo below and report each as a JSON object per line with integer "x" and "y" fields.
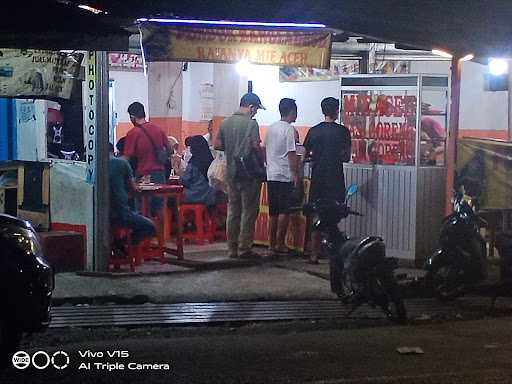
{"x": 453, "y": 131}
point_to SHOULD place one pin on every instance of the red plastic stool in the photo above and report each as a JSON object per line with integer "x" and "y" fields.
{"x": 202, "y": 221}
{"x": 123, "y": 234}
{"x": 147, "y": 250}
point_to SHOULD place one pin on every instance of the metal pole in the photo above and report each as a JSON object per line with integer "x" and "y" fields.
{"x": 453, "y": 131}
{"x": 417, "y": 139}
{"x": 101, "y": 187}
{"x": 509, "y": 130}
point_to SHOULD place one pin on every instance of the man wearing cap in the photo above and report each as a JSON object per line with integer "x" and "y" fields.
{"x": 243, "y": 195}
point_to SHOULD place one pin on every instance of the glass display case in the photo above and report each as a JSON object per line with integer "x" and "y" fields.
{"x": 398, "y": 124}
{"x": 391, "y": 117}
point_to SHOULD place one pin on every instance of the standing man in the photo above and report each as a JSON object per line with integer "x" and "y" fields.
{"x": 328, "y": 146}
{"x": 239, "y": 134}
{"x": 141, "y": 144}
{"x": 282, "y": 173}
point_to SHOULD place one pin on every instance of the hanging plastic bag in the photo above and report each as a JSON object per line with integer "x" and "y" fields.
{"x": 217, "y": 172}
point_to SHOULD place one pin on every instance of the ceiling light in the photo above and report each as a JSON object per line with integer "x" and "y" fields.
{"x": 234, "y": 23}
{"x": 439, "y": 52}
{"x": 90, "y": 9}
{"x": 498, "y": 67}
{"x": 467, "y": 57}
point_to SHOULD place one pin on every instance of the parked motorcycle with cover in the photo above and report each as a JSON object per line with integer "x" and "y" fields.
{"x": 360, "y": 272}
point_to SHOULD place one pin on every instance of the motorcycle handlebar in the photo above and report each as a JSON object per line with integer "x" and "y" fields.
{"x": 355, "y": 213}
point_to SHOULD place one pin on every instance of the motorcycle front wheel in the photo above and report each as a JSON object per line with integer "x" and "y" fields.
{"x": 391, "y": 301}
{"x": 445, "y": 282}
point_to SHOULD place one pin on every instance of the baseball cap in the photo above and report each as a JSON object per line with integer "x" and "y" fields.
{"x": 251, "y": 99}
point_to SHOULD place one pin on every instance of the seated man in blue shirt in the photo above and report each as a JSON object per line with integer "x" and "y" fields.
{"x": 121, "y": 184}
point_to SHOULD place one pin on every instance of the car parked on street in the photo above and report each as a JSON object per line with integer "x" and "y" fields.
{"x": 26, "y": 284}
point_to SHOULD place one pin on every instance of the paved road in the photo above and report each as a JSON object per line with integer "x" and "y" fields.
{"x": 292, "y": 352}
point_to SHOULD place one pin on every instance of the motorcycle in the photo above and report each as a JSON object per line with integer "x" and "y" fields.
{"x": 461, "y": 260}
{"x": 360, "y": 272}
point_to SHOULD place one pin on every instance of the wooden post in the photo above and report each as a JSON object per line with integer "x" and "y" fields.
{"x": 453, "y": 131}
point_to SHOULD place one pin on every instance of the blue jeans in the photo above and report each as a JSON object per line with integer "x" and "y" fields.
{"x": 141, "y": 227}
{"x": 157, "y": 203}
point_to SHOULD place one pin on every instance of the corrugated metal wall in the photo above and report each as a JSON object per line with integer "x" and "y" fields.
{"x": 387, "y": 199}
{"x": 402, "y": 205}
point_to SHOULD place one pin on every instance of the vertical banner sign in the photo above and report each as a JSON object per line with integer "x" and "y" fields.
{"x": 90, "y": 118}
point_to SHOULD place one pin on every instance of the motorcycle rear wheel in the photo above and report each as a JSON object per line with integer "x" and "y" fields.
{"x": 445, "y": 282}
{"x": 392, "y": 304}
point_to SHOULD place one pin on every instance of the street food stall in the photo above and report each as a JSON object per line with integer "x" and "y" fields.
{"x": 398, "y": 126}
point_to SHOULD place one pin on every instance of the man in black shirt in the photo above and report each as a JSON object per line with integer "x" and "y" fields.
{"x": 328, "y": 145}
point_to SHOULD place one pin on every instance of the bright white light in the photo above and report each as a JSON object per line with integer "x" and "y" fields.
{"x": 498, "y": 67}
{"x": 441, "y": 53}
{"x": 90, "y": 9}
{"x": 467, "y": 57}
{"x": 233, "y": 23}
{"x": 243, "y": 67}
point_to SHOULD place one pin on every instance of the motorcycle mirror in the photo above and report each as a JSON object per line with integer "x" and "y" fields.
{"x": 351, "y": 190}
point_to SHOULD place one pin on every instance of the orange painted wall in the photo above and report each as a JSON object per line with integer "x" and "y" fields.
{"x": 122, "y": 129}
{"x": 484, "y": 133}
{"x": 181, "y": 129}
{"x": 172, "y": 126}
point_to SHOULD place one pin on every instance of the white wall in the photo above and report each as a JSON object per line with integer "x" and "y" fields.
{"x": 431, "y": 67}
{"x": 129, "y": 87}
{"x": 308, "y": 95}
{"x": 165, "y": 95}
{"x": 226, "y": 92}
{"x": 197, "y": 74}
{"x": 480, "y": 109}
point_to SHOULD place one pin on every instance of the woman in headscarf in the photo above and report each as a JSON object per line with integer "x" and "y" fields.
{"x": 195, "y": 177}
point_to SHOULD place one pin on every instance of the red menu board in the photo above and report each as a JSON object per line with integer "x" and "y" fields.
{"x": 382, "y": 127}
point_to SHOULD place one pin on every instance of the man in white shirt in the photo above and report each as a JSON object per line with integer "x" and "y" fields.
{"x": 282, "y": 173}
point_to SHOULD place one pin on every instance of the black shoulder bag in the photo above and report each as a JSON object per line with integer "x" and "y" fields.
{"x": 249, "y": 165}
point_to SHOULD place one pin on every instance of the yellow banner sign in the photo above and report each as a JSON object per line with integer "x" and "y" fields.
{"x": 295, "y": 48}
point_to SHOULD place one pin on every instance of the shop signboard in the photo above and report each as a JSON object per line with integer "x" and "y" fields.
{"x": 295, "y": 48}
{"x": 125, "y": 62}
{"x": 38, "y": 73}
{"x": 90, "y": 117}
{"x": 382, "y": 127}
{"x": 484, "y": 168}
